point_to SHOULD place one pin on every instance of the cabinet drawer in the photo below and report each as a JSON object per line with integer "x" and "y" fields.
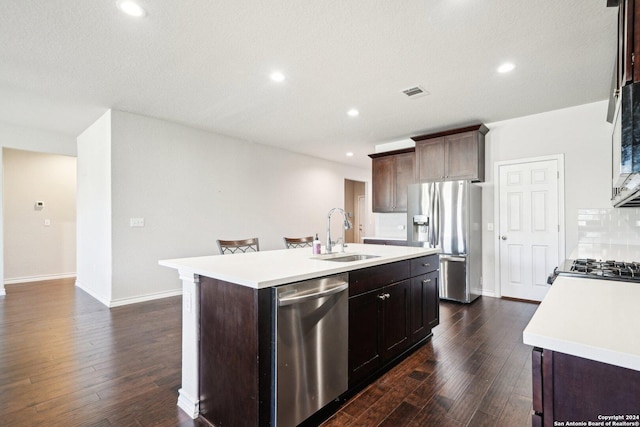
{"x": 424, "y": 265}
{"x": 371, "y": 278}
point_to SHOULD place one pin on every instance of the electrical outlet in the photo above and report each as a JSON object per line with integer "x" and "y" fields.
{"x": 136, "y": 222}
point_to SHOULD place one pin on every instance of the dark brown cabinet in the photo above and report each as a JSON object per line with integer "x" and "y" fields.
{"x": 451, "y": 155}
{"x": 378, "y": 317}
{"x": 378, "y": 328}
{"x": 390, "y": 311}
{"x": 571, "y": 388}
{"x": 425, "y": 308}
{"x": 425, "y": 298}
{"x": 392, "y": 173}
{"x": 628, "y": 41}
{"x": 395, "y": 319}
{"x": 628, "y": 48}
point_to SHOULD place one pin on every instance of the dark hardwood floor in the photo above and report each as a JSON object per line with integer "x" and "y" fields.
{"x": 474, "y": 372}
{"x": 66, "y": 360}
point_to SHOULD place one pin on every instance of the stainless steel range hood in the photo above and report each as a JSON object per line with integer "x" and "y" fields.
{"x": 626, "y": 149}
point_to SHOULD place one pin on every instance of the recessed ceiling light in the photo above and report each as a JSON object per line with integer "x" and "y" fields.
{"x": 277, "y": 76}
{"x": 349, "y": 154}
{"x": 506, "y": 67}
{"x": 131, "y": 8}
{"x": 353, "y": 112}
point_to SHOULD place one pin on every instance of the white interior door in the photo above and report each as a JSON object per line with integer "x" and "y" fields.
{"x": 530, "y": 227}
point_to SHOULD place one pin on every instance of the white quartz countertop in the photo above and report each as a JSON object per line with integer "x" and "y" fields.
{"x": 272, "y": 268}
{"x": 590, "y": 318}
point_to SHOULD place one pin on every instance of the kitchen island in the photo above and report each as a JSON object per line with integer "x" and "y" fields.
{"x": 586, "y": 357}
{"x": 231, "y": 297}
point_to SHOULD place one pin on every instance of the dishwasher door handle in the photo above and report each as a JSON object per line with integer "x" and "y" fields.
{"x": 307, "y": 297}
{"x": 453, "y": 258}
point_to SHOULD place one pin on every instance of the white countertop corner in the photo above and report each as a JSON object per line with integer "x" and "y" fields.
{"x": 590, "y": 318}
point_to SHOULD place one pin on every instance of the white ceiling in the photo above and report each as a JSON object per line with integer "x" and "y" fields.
{"x": 206, "y": 64}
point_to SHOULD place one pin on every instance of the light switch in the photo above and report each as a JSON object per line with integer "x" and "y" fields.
{"x": 136, "y": 222}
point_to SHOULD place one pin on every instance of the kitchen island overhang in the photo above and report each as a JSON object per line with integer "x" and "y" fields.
{"x": 258, "y": 271}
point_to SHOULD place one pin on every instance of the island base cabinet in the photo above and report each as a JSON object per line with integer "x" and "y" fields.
{"x": 573, "y": 389}
{"x": 235, "y": 354}
{"x": 392, "y": 309}
{"x": 378, "y": 329}
{"x": 425, "y": 305}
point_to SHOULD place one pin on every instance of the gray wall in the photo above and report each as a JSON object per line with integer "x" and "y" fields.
{"x": 193, "y": 187}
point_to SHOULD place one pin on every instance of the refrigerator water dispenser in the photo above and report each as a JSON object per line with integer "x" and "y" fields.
{"x": 420, "y": 228}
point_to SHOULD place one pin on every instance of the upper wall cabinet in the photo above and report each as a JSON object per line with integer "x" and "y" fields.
{"x": 451, "y": 155}
{"x": 628, "y": 49}
{"x": 392, "y": 174}
{"x": 628, "y": 41}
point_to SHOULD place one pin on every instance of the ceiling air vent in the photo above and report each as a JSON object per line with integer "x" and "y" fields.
{"x": 415, "y": 92}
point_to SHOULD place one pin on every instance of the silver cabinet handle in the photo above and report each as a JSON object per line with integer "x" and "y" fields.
{"x": 426, "y": 281}
{"x": 381, "y": 296}
{"x": 426, "y": 264}
{"x": 387, "y": 295}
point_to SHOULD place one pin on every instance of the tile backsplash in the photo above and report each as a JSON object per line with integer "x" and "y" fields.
{"x": 390, "y": 225}
{"x": 612, "y": 226}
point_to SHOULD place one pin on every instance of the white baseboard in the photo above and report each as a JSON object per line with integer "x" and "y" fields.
{"x": 28, "y": 279}
{"x": 143, "y": 298}
{"x": 491, "y": 294}
{"x": 131, "y": 300}
{"x": 100, "y": 298}
{"x": 188, "y": 404}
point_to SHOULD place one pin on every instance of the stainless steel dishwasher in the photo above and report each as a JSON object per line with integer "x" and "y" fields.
{"x": 311, "y": 324}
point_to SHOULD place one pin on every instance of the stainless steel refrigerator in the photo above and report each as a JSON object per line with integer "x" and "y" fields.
{"x": 448, "y": 215}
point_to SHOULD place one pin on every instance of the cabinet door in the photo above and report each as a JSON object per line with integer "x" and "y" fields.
{"x": 396, "y": 336}
{"x": 425, "y": 305}
{"x": 419, "y": 324}
{"x": 429, "y": 160}
{"x": 432, "y": 292}
{"x": 364, "y": 335}
{"x": 461, "y": 156}
{"x": 403, "y": 177}
{"x": 383, "y": 184}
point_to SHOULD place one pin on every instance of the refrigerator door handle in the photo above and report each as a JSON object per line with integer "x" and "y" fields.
{"x": 434, "y": 210}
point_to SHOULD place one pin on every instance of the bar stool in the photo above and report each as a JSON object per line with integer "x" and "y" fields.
{"x": 298, "y": 242}
{"x": 237, "y": 246}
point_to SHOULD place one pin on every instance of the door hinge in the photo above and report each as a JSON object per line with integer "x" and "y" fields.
{"x": 558, "y": 174}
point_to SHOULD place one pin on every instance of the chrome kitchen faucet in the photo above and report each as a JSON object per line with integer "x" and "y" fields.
{"x": 347, "y": 226}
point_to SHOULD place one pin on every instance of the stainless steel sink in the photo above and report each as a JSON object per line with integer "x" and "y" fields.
{"x": 349, "y": 258}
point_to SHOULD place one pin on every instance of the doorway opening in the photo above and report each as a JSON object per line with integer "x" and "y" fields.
{"x": 355, "y": 207}
{"x": 39, "y": 216}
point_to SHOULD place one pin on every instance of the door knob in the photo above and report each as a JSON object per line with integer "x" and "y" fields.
{"x": 504, "y": 237}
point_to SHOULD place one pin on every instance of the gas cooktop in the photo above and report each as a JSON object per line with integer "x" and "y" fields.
{"x": 598, "y": 269}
